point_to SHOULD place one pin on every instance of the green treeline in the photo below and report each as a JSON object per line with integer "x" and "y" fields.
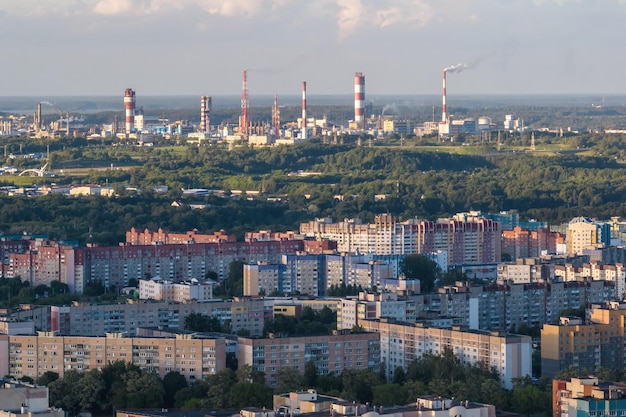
{"x": 120, "y": 385}
{"x": 407, "y": 181}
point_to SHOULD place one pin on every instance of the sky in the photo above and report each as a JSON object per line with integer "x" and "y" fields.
{"x": 196, "y": 47}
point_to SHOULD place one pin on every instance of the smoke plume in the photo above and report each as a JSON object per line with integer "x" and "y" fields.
{"x": 456, "y": 68}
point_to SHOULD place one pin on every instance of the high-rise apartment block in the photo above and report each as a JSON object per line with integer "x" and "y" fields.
{"x": 331, "y": 354}
{"x": 114, "y": 266}
{"x": 401, "y": 343}
{"x": 466, "y": 239}
{"x": 87, "y": 319}
{"x": 313, "y": 274}
{"x": 585, "y": 233}
{"x": 32, "y": 356}
{"x": 352, "y": 311}
{"x": 524, "y": 243}
{"x": 575, "y": 342}
{"x": 588, "y": 397}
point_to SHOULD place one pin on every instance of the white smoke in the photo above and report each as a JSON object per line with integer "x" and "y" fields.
{"x": 456, "y": 68}
{"x": 390, "y": 109}
{"x": 47, "y": 103}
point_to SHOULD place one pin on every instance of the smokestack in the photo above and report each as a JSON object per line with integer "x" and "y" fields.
{"x": 39, "y": 119}
{"x": 67, "y": 124}
{"x": 304, "y": 132}
{"x": 244, "y": 122}
{"x": 444, "y": 109}
{"x": 359, "y": 99}
{"x": 205, "y": 114}
{"x": 276, "y": 118}
{"x": 129, "y": 105}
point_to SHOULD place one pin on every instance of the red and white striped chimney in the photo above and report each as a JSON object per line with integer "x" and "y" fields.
{"x": 304, "y": 132}
{"x": 444, "y": 109}
{"x": 129, "y": 105}
{"x": 359, "y": 99}
{"x": 205, "y": 114}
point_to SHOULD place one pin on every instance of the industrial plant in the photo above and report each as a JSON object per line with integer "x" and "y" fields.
{"x": 141, "y": 129}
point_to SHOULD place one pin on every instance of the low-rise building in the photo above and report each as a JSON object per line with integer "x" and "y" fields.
{"x": 19, "y": 399}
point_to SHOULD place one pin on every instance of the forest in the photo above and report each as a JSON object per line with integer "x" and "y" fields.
{"x": 576, "y": 175}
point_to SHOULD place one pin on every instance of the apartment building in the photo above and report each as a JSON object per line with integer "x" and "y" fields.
{"x": 87, "y": 319}
{"x": 467, "y": 240}
{"x": 523, "y": 243}
{"x": 498, "y": 307}
{"x": 352, "y": 310}
{"x": 401, "y": 343}
{"x": 574, "y": 342}
{"x": 330, "y": 353}
{"x": 587, "y": 397}
{"x": 114, "y": 266}
{"x": 194, "y": 358}
{"x": 585, "y": 233}
{"x": 164, "y": 237}
{"x": 313, "y": 274}
{"x": 38, "y": 315}
{"x": 176, "y": 292}
{"x": 385, "y": 236}
{"x": 596, "y": 271}
{"x": 525, "y": 271}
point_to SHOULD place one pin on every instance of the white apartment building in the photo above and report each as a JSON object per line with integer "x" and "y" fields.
{"x": 402, "y": 343}
{"x": 352, "y": 311}
{"x": 176, "y": 292}
{"x": 385, "y": 236}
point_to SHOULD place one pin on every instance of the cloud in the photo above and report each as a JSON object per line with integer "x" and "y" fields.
{"x": 113, "y": 7}
{"x": 350, "y": 16}
{"x": 229, "y": 8}
{"x": 356, "y": 14}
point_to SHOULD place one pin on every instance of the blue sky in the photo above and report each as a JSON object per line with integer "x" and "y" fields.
{"x": 171, "y": 47}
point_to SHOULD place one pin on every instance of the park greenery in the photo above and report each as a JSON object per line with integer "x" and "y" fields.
{"x": 120, "y": 385}
{"x": 419, "y": 177}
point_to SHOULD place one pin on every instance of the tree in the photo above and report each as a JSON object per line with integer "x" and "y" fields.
{"x": 528, "y": 399}
{"x": 198, "y": 322}
{"x": 63, "y": 392}
{"x": 310, "y": 374}
{"x": 389, "y": 394}
{"x": 246, "y": 393}
{"x": 422, "y": 268}
{"x": 91, "y": 392}
{"x": 399, "y": 376}
{"x": 47, "y": 378}
{"x": 287, "y": 380}
{"x": 93, "y": 288}
{"x": 247, "y": 373}
{"x": 358, "y": 384}
{"x": 232, "y": 286}
{"x": 144, "y": 391}
{"x": 173, "y": 382}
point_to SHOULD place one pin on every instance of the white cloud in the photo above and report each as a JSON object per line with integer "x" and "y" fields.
{"x": 113, "y": 7}
{"x": 350, "y": 16}
{"x": 356, "y": 14}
